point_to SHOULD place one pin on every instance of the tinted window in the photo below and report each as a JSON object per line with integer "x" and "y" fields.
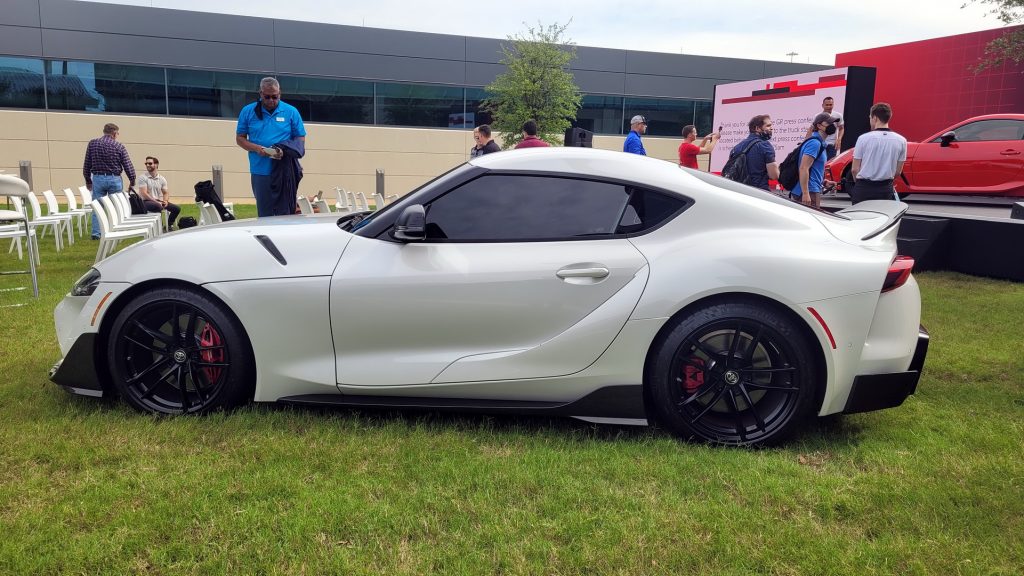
{"x": 105, "y": 87}
{"x": 600, "y": 114}
{"x": 326, "y": 100}
{"x": 475, "y": 114}
{"x": 990, "y": 130}
{"x": 527, "y": 208}
{"x": 665, "y": 117}
{"x": 419, "y": 105}
{"x": 21, "y": 83}
{"x": 704, "y": 109}
{"x": 208, "y": 93}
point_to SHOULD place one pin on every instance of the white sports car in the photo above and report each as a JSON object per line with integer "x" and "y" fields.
{"x": 597, "y": 285}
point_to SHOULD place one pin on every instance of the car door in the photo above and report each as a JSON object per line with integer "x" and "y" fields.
{"x": 521, "y": 276}
{"x": 985, "y": 157}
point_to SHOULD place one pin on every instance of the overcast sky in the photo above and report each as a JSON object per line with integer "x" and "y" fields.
{"x": 815, "y": 30}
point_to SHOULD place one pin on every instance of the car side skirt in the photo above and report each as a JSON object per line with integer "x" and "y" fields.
{"x": 879, "y": 391}
{"x": 613, "y": 402}
{"x": 76, "y": 372}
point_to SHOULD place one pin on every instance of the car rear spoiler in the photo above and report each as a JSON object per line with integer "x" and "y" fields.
{"x": 892, "y": 211}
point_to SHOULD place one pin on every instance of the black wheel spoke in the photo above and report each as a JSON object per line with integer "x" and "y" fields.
{"x": 147, "y": 347}
{"x": 183, "y": 388}
{"x": 200, "y": 389}
{"x": 700, "y": 346}
{"x": 748, "y": 356}
{"x": 190, "y": 329}
{"x": 156, "y": 334}
{"x": 735, "y": 344}
{"x": 149, "y": 391}
{"x": 138, "y": 376}
{"x": 710, "y": 405}
{"x": 703, "y": 390}
{"x": 741, "y": 429}
{"x": 768, "y": 370}
{"x": 787, "y": 389}
{"x": 753, "y": 408}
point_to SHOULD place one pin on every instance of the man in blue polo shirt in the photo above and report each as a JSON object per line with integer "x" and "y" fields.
{"x": 262, "y": 124}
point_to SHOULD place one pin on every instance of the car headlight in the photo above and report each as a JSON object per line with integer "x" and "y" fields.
{"x": 87, "y": 284}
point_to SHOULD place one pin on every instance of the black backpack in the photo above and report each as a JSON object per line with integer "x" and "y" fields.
{"x": 789, "y": 170}
{"x": 735, "y": 168}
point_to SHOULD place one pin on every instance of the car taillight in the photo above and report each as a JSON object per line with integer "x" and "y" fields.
{"x": 898, "y": 273}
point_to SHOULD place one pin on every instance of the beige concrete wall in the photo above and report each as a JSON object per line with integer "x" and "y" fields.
{"x": 336, "y": 155}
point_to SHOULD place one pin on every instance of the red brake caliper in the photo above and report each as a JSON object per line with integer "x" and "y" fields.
{"x": 210, "y": 337}
{"x": 693, "y": 375}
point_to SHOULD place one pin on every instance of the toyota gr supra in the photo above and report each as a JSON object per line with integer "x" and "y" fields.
{"x": 590, "y": 284}
{"x": 983, "y": 155}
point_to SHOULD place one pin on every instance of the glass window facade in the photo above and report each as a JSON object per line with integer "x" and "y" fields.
{"x": 99, "y": 87}
{"x": 600, "y": 114}
{"x": 21, "y": 83}
{"x": 209, "y": 93}
{"x": 421, "y": 105}
{"x": 96, "y": 87}
{"x": 329, "y": 100}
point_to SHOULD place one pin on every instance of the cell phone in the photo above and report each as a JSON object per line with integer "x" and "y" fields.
{"x": 270, "y": 151}
{"x": 320, "y": 195}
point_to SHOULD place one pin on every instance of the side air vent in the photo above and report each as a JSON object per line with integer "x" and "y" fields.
{"x": 272, "y": 248}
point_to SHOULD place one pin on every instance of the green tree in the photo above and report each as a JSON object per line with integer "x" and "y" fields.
{"x": 1010, "y": 46}
{"x": 537, "y": 85}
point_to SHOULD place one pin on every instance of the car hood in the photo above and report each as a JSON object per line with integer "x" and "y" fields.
{"x": 279, "y": 247}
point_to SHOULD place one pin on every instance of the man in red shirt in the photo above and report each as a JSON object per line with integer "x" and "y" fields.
{"x": 530, "y": 139}
{"x": 688, "y": 151}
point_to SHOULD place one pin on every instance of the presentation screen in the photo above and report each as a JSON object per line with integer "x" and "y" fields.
{"x": 792, "y": 102}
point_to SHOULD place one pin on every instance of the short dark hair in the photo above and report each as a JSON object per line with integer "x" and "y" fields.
{"x": 826, "y": 99}
{"x": 110, "y": 128}
{"x": 689, "y": 129}
{"x": 153, "y": 158}
{"x": 484, "y": 129}
{"x": 757, "y": 121}
{"x": 882, "y": 111}
{"x": 530, "y": 127}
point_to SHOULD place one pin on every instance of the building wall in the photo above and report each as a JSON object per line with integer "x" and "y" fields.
{"x": 336, "y": 155}
{"x": 930, "y": 84}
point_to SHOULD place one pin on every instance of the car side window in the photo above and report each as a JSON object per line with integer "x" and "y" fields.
{"x": 523, "y": 208}
{"x": 990, "y": 131}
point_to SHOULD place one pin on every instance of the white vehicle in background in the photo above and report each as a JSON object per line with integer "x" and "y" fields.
{"x": 591, "y": 284}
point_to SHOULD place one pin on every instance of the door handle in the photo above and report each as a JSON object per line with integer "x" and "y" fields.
{"x": 1010, "y": 152}
{"x": 582, "y": 273}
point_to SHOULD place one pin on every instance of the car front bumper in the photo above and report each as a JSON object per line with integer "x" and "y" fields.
{"x": 879, "y": 391}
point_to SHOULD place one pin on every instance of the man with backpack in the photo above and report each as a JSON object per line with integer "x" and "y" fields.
{"x": 811, "y": 163}
{"x": 752, "y": 161}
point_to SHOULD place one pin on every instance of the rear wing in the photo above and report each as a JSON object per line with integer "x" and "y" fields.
{"x": 871, "y": 209}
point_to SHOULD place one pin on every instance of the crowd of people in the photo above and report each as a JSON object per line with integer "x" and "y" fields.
{"x": 272, "y": 133}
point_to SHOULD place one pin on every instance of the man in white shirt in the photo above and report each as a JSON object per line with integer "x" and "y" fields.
{"x": 877, "y": 158}
{"x": 152, "y": 188}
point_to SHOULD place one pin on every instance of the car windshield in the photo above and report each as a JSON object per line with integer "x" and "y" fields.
{"x": 406, "y": 199}
{"x": 758, "y": 193}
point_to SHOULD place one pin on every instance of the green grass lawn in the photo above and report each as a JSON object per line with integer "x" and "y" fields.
{"x": 933, "y": 487}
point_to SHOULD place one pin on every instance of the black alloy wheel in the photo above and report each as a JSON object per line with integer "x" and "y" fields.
{"x": 176, "y": 351}
{"x": 734, "y": 374}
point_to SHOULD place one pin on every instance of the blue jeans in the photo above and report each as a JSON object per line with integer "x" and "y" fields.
{"x": 261, "y": 191}
{"x": 102, "y": 185}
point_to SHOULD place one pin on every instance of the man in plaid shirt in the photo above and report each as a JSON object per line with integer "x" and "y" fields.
{"x": 105, "y": 159}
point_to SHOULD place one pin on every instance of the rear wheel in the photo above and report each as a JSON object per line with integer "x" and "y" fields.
{"x": 178, "y": 351}
{"x": 733, "y": 373}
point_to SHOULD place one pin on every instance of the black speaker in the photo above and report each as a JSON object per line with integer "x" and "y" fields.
{"x": 579, "y": 137}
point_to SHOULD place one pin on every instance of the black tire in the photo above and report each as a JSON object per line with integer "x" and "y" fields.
{"x": 178, "y": 351}
{"x": 735, "y": 373}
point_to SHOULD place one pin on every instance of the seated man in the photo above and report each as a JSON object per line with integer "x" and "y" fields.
{"x": 152, "y": 188}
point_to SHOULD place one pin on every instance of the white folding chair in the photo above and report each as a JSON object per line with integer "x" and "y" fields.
{"x": 304, "y": 205}
{"x": 16, "y": 189}
{"x": 53, "y": 209}
{"x": 342, "y": 205}
{"x": 125, "y": 216}
{"x": 212, "y": 215}
{"x": 79, "y": 214}
{"x": 109, "y": 238}
{"x": 115, "y": 224}
{"x": 37, "y": 221}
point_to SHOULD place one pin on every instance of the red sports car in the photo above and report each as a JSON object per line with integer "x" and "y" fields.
{"x": 981, "y": 155}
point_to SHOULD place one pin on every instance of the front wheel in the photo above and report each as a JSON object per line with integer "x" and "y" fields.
{"x": 733, "y": 373}
{"x": 178, "y": 351}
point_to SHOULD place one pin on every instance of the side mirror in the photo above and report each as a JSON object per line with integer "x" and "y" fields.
{"x": 947, "y": 138}
{"x": 411, "y": 225}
